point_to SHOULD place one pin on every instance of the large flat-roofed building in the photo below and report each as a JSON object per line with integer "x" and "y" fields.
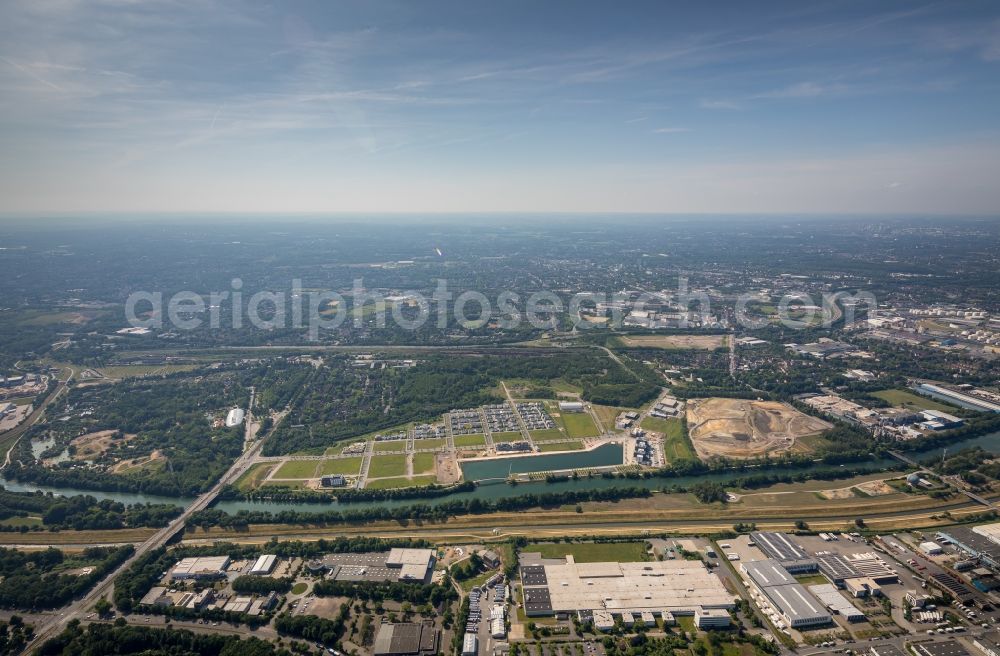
{"x": 885, "y": 650}
{"x": 264, "y": 565}
{"x": 792, "y": 601}
{"x": 206, "y": 567}
{"x": 836, "y": 568}
{"x": 470, "y": 644}
{"x": 413, "y": 564}
{"x": 678, "y": 586}
{"x": 235, "y": 417}
{"x": 959, "y": 398}
{"x": 872, "y": 566}
{"x": 782, "y": 548}
{"x": 983, "y": 542}
{"x": 946, "y": 648}
{"x": 405, "y": 639}
{"x": 830, "y": 597}
{"x": 407, "y": 565}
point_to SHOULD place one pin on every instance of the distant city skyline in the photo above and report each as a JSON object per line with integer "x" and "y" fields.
{"x": 378, "y": 106}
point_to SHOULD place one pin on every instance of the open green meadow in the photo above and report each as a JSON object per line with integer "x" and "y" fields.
{"x": 423, "y": 462}
{"x": 346, "y": 466}
{"x": 676, "y": 445}
{"x": 568, "y": 445}
{"x": 912, "y": 401}
{"x": 386, "y": 466}
{"x": 469, "y": 441}
{"x": 297, "y": 469}
{"x": 578, "y": 424}
{"x": 400, "y": 482}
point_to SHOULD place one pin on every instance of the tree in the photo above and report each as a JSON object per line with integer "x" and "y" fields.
{"x": 102, "y": 607}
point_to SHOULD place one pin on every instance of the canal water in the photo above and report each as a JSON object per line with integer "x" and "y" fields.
{"x": 499, "y": 468}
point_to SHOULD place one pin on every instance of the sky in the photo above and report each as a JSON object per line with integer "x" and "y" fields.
{"x": 503, "y": 106}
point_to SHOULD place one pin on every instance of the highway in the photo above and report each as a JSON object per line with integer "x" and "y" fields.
{"x": 80, "y": 608}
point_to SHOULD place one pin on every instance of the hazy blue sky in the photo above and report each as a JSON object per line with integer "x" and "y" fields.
{"x": 499, "y": 106}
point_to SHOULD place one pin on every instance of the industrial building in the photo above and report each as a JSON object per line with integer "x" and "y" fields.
{"x": 603, "y": 620}
{"x": 885, "y": 650}
{"x": 235, "y": 417}
{"x": 264, "y": 565}
{"x": 397, "y": 565}
{"x": 413, "y": 564}
{"x": 711, "y": 618}
{"x": 982, "y": 542}
{"x": 836, "y": 568}
{"x": 780, "y": 547}
{"x": 470, "y": 644}
{"x": 871, "y": 566}
{"x": 679, "y": 587}
{"x": 788, "y": 598}
{"x": 830, "y": 597}
{"x": 570, "y": 406}
{"x": 946, "y": 648}
{"x": 931, "y": 548}
{"x": 958, "y": 398}
{"x": 405, "y": 639}
{"x": 206, "y": 567}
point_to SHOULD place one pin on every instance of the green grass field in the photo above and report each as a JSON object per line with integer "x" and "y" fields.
{"x": 578, "y": 424}
{"x": 913, "y": 401}
{"x": 390, "y": 447}
{"x": 17, "y": 522}
{"x": 423, "y": 463}
{"x": 385, "y": 466}
{"x": 477, "y": 580}
{"x": 253, "y": 477}
{"x": 347, "y": 466}
{"x": 568, "y": 445}
{"x": 547, "y": 434}
{"x": 507, "y": 437}
{"x": 676, "y": 445}
{"x": 593, "y": 552}
{"x": 297, "y": 469}
{"x": 400, "y": 481}
{"x": 464, "y": 441}
{"x": 432, "y": 443}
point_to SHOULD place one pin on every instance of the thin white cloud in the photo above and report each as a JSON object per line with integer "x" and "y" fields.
{"x": 673, "y": 130}
{"x": 720, "y": 104}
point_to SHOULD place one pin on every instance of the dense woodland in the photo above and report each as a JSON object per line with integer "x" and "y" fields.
{"x": 14, "y": 635}
{"x": 337, "y": 401}
{"x": 37, "y": 580}
{"x": 170, "y": 417}
{"x": 82, "y": 512}
{"x": 123, "y": 640}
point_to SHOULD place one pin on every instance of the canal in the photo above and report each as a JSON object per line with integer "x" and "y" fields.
{"x": 499, "y": 468}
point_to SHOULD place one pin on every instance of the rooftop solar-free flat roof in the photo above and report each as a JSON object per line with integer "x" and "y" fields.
{"x": 795, "y": 603}
{"x": 673, "y": 584}
{"x": 767, "y": 573}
